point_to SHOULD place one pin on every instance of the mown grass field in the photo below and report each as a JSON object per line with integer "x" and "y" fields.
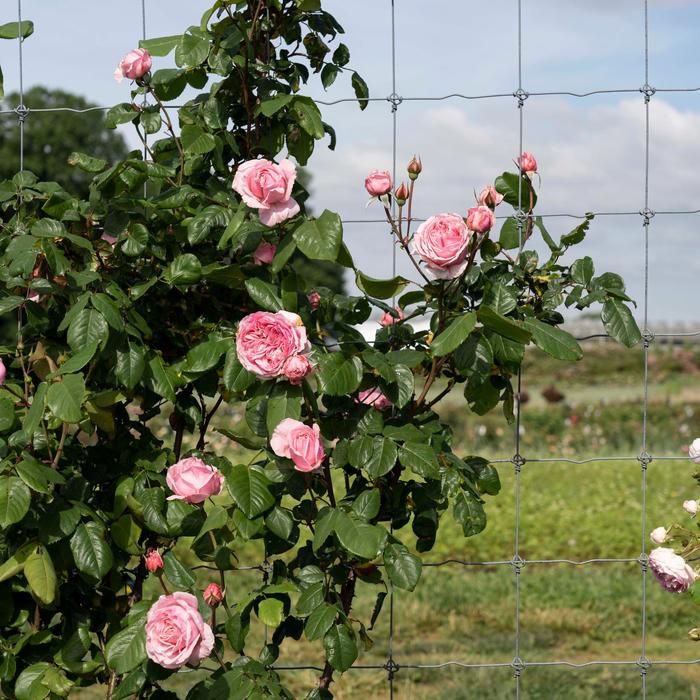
{"x": 567, "y": 511}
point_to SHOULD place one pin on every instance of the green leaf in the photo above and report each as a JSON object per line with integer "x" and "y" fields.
{"x": 263, "y": 294}
{"x": 307, "y": 115}
{"x": 79, "y": 359}
{"x": 506, "y": 327}
{"x": 120, "y": 114}
{"x": 86, "y": 163}
{"x": 320, "y": 239}
{"x": 15, "y": 30}
{"x": 367, "y": 504}
{"x": 359, "y": 538}
{"x": 320, "y": 621}
{"x": 578, "y": 234}
{"x": 126, "y": 533}
{"x": 41, "y": 575}
{"x": 500, "y": 298}
{"x": 280, "y": 522}
{"x": 469, "y": 513}
{"x": 169, "y": 83}
{"x": 37, "y": 476}
{"x": 284, "y": 401}
{"x": 127, "y": 649}
{"x": 235, "y": 376}
{"x": 338, "y": 375}
{"x": 619, "y": 323}
{"x": 382, "y": 457}
{"x": 274, "y": 104}
{"x": 29, "y": 684}
{"x": 8, "y": 304}
{"x": 130, "y": 685}
{"x": 184, "y": 270}
{"x": 192, "y": 49}
{"x": 419, "y": 458}
{"x": 582, "y": 271}
{"x": 271, "y": 611}
{"x": 161, "y": 379}
{"x": 196, "y": 141}
{"x": 160, "y": 46}
{"x": 381, "y": 289}
{"x": 232, "y": 228}
{"x": 206, "y": 355}
{"x": 88, "y": 327}
{"x": 249, "y": 489}
{"x": 507, "y": 184}
{"x": 135, "y": 241}
{"x": 361, "y": 90}
{"x": 91, "y": 552}
{"x": 405, "y": 386}
{"x": 554, "y": 341}
{"x": 474, "y": 358}
{"x": 236, "y": 632}
{"x": 339, "y": 643}
{"x": 153, "y": 504}
{"x": 545, "y": 235}
{"x": 403, "y": 568}
{"x": 178, "y": 574}
{"x": 130, "y": 365}
{"x": 14, "y": 500}
{"x": 328, "y": 75}
{"x": 510, "y": 235}
{"x": 12, "y": 566}
{"x": 65, "y": 398}
{"x": 454, "y": 335}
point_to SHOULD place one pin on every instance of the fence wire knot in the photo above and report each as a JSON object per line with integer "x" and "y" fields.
{"x": 518, "y": 666}
{"x": 644, "y": 664}
{"x": 395, "y": 100}
{"x": 521, "y": 95}
{"x": 647, "y": 214}
{"x": 518, "y": 563}
{"x": 518, "y": 460}
{"x": 392, "y": 668}
{"x": 647, "y": 339}
{"x": 648, "y": 91}
{"x": 22, "y": 112}
{"x": 644, "y": 562}
{"x": 644, "y": 459}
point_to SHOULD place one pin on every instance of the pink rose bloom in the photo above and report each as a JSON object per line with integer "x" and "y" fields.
{"x": 296, "y": 368}
{"x": 527, "y": 162}
{"x": 374, "y": 397}
{"x": 658, "y": 535}
{"x": 176, "y": 634}
{"x": 213, "y": 595}
{"x": 264, "y": 253}
{"x": 154, "y": 562}
{"x": 671, "y": 570}
{"x": 314, "y": 300}
{"x": 110, "y": 239}
{"x": 690, "y": 507}
{"x": 378, "y": 183}
{"x": 134, "y": 65}
{"x": 298, "y": 442}
{"x": 694, "y": 451}
{"x": 266, "y": 340}
{"x": 441, "y": 242}
{"x": 480, "y": 219}
{"x": 193, "y": 480}
{"x": 3, "y": 372}
{"x": 388, "y": 320}
{"x": 489, "y": 197}
{"x": 267, "y": 187}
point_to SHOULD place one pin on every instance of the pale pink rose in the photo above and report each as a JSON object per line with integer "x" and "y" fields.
{"x": 300, "y": 443}
{"x": 658, "y": 535}
{"x": 388, "y": 320}
{"x": 266, "y": 340}
{"x": 527, "y": 162}
{"x": 267, "y": 187}
{"x": 193, "y": 480}
{"x": 489, "y": 197}
{"x": 690, "y": 507}
{"x": 296, "y": 368}
{"x": 374, "y": 397}
{"x": 109, "y": 239}
{"x": 480, "y": 219}
{"x": 441, "y": 242}
{"x": 3, "y": 372}
{"x": 176, "y": 634}
{"x": 264, "y": 253}
{"x": 694, "y": 451}
{"x": 671, "y": 570}
{"x": 314, "y": 300}
{"x": 134, "y": 65}
{"x": 154, "y": 562}
{"x": 213, "y": 595}
{"x": 378, "y": 183}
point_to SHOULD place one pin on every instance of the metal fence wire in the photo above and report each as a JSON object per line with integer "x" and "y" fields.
{"x": 519, "y": 665}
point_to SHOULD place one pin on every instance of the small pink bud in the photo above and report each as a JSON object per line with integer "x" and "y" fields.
{"x": 213, "y": 595}
{"x": 527, "y": 162}
{"x": 134, "y": 65}
{"x": 480, "y": 219}
{"x": 314, "y": 300}
{"x": 296, "y": 368}
{"x": 154, "y": 562}
{"x": 388, "y": 320}
{"x": 401, "y": 194}
{"x": 378, "y": 183}
{"x": 415, "y": 168}
{"x": 489, "y": 197}
{"x": 264, "y": 253}
{"x": 3, "y": 372}
{"x": 690, "y": 507}
{"x": 658, "y": 535}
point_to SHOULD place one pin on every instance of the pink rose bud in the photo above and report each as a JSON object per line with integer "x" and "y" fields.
{"x": 213, "y": 595}
{"x": 296, "y": 368}
{"x": 378, "y": 183}
{"x": 193, "y": 480}
{"x": 388, "y": 320}
{"x": 694, "y": 451}
{"x": 480, "y": 219}
{"x": 154, "y": 562}
{"x": 671, "y": 570}
{"x": 658, "y": 535}
{"x": 415, "y": 168}
{"x": 267, "y": 187}
{"x": 266, "y": 340}
{"x": 264, "y": 253}
{"x": 34, "y": 296}
{"x": 176, "y": 633}
{"x": 527, "y": 163}
{"x": 442, "y": 242}
{"x": 314, "y": 300}
{"x": 134, "y": 65}
{"x": 690, "y": 507}
{"x": 298, "y": 442}
{"x": 401, "y": 194}
{"x": 374, "y": 397}
{"x": 489, "y": 197}
{"x": 3, "y": 372}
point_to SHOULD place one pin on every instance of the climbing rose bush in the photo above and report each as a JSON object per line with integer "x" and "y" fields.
{"x": 176, "y": 403}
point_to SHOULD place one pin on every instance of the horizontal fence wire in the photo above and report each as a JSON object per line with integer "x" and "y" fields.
{"x": 518, "y": 564}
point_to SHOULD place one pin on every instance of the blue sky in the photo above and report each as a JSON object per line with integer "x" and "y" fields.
{"x": 590, "y": 150}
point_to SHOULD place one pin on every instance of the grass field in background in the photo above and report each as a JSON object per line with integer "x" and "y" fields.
{"x": 568, "y": 511}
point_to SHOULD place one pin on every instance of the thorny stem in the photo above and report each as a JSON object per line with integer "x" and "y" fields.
{"x": 59, "y": 450}
{"x": 404, "y": 244}
{"x": 205, "y": 422}
{"x": 169, "y": 124}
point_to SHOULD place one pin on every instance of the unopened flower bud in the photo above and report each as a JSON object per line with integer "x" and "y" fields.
{"x": 401, "y": 194}
{"x": 154, "y": 562}
{"x": 414, "y": 168}
{"x": 314, "y": 300}
{"x": 694, "y": 451}
{"x": 690, "y": 507}
{"x": 213, "y": 595}
{"x": 658, "y": 535}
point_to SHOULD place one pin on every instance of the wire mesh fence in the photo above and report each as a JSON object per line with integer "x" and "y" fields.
{"x": 393, "y": 665}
